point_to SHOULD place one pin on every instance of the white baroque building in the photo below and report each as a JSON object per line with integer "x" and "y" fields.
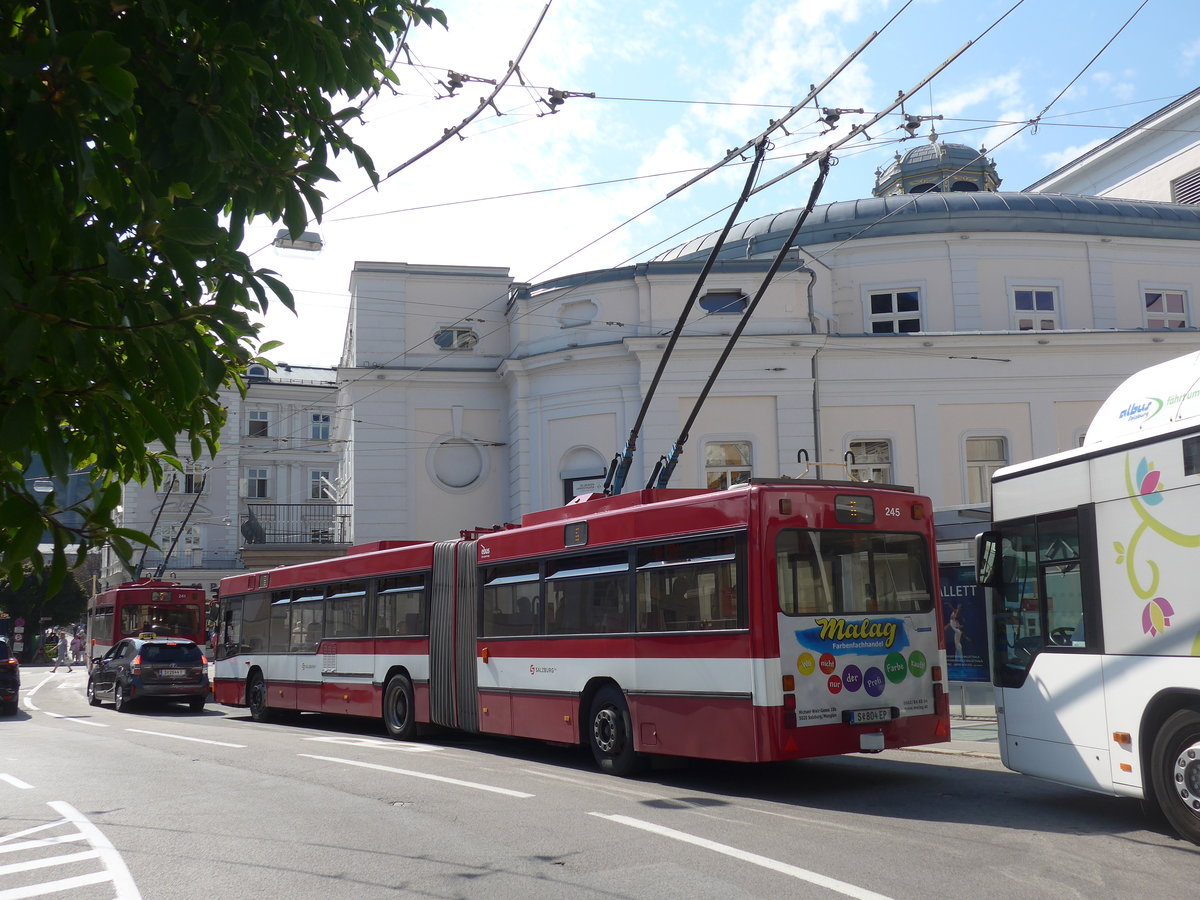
{"x": 929, "y": 337}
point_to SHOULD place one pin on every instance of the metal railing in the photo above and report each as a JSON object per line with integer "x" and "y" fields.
{"x": 296, "y": 523}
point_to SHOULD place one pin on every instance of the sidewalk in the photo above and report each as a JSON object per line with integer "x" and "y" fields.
{"x": 971, "y": 735}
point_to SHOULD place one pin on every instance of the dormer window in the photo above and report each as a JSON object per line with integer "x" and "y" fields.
{"x": 455, "y": 338}
{"x": 257, "y": 373}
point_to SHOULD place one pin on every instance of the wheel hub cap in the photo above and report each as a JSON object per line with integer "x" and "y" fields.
{"x": 1186, "y": 774}
{"x": 605, "y": 730}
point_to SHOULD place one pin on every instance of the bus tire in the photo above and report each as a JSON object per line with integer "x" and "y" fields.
{"x": 610, "y": 733}
{"x": 398, "y": 713}
{"x": 1175, "y": 770}
{"x": 256, "y": 699}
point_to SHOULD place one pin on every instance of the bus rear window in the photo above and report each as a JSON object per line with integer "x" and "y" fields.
{"x": 164, "y": 621}
{"x": 831, "y": 572}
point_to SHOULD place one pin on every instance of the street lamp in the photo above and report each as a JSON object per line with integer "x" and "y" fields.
{"x": 309, "y": 241}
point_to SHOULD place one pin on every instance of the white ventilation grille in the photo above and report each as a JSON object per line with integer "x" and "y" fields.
{"x": 1187, "y": 188}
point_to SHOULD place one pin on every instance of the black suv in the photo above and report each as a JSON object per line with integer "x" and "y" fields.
{"x": 159, "y": 669}
{"x": 10, "y": 679}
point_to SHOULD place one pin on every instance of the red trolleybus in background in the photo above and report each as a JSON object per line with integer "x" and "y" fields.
{"x": 166, "y": 608}
{"x": 774, "y": 620}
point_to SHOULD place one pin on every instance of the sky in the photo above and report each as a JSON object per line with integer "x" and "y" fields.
{"x": 677, "y": 84}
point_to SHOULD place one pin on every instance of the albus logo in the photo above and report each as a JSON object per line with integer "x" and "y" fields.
{"x": 1141, "y": 411}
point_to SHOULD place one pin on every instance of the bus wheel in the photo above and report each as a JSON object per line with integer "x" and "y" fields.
{"x": 398, "y": 709}
{"x": 611, "y": 734}
{"x": 1175, "y": 762}
{"x": 256, "y": 699}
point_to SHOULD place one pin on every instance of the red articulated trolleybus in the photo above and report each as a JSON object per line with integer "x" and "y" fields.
{"x": 164, "y": 608}
{"x": 778, "y": 619}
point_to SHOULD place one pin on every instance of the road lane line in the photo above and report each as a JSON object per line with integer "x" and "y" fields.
{"x": 4, "y": 839}
{"x": 126, "y": 889}
{"x": 180, "y": 737}
{"x": 766, "y": 862}
{"x": 54, "y": 887}
{"x": 74, "y": 719}
{"x": 425, "y": 775}
{"x": 44, "y": 842}
{"x": 602, "y": 787}
{"x": 16, "y": 782}
{"x": 49, "y": 861}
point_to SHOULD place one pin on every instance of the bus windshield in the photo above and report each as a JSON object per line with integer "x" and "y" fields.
{"x": 165, "y": 621}
{"x": 834, "y": 572}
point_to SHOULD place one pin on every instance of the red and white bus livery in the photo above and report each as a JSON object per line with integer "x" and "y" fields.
{"x": 163, "y": 608}
{"x": 773, "y": 620}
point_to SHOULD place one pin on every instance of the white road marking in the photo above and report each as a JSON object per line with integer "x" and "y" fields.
{"x": 376, "y": 743}
{"x": 16, "y": 782}
{"x": 113, "y": 863}
{"x": 766, "y": 862}
{"x": 54, "y": 887}
{"x": 180, "y": 737}
{"x": 604, "y": 788}
{"x": 425, "y": 775}
{"x": 74, "y": 719}
{"x": 49, "y": 861}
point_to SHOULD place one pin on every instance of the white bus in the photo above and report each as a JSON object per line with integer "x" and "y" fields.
{"x": 1094, "y": 562}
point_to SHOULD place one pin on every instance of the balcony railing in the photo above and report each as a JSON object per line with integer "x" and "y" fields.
{"x": 296, "y": 523}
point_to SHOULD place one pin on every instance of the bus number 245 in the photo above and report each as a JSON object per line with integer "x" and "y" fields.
{"x": 891, "y": 511}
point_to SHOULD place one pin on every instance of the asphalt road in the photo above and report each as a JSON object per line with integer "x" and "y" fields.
{"x": 162, "y": 803}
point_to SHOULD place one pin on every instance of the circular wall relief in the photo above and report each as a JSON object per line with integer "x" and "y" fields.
{"x": 456, "y": 464}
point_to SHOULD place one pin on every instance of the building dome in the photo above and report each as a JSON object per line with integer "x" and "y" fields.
{"x": 937, "y": 167}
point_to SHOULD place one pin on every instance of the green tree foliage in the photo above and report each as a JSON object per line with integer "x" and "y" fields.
{"x": 138, "y": 139}
{"x": 33, "y": 600}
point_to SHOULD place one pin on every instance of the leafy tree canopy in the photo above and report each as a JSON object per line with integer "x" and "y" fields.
{"x": 32, "y": 601}
{"x": 138, "y": 139}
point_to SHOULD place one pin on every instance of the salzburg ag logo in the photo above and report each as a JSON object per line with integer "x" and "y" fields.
{"x": 1140, "y": 412}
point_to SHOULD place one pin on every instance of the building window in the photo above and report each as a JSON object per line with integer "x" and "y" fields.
{"x": 1035, "y": 309}
{"x": 724, "y": 303}
{"x": 984, "y": 455}
{"x": 895, "y": 312}
{"x": 455, "y": 339}
{"x": 193, "y": 480}
{"x": 316, "y": 485}
{"x": 320, "y": 427}
{"x": 727, "y": 463}
{"x": 872, "y": 460}
{"x": 257, "y": 484}
{"x": 257, "y": 423}
{"x": 1165, "y": 309}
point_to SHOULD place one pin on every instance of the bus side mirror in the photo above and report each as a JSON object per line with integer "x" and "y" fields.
{"x": 987, "y": 557}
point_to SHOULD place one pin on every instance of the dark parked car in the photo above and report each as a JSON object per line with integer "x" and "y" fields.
{"x": 10, "y": 679}
{"x": 158, "y": 669}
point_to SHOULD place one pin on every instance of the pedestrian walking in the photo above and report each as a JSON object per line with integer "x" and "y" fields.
{"x": 64, "y": 652}
{"x": 77, "y": 649}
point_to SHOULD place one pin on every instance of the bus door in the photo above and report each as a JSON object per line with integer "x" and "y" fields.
{"x": 453, "y": 625}
{"x": 344, "y": 656}
{"x": 1047, "y": 661}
